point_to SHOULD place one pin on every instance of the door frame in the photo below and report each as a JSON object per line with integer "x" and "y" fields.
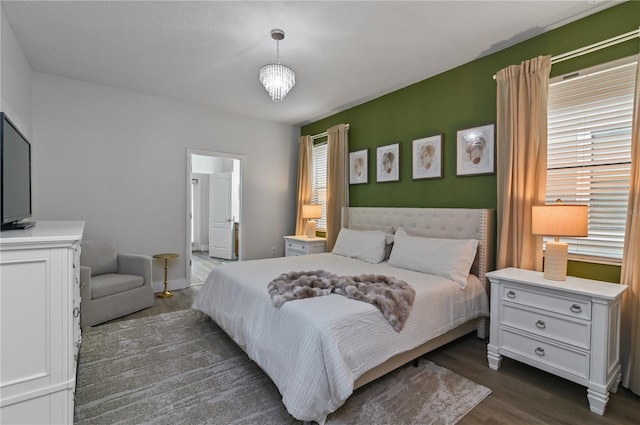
{"x": 204, "y": 152}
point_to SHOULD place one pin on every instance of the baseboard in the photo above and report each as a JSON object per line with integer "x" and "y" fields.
{"x": 172, "y": 285}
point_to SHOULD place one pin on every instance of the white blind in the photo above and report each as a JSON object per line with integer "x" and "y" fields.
{"x": 319, "y": 183}
{"x": 589, "y": 152}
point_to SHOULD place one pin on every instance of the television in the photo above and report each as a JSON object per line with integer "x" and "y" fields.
{"x": 15, "y": 176}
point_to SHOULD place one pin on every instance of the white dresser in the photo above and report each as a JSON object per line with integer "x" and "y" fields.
{"x": 303, "y": 245}
{"x": 39, "y": 322}
{"x": 569, "y": 328}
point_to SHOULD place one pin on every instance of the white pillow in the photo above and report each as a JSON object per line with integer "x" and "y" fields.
{"x": 366, "y": 245}
{"x": 388, "y": 236}
{"x": 450, "y": 258}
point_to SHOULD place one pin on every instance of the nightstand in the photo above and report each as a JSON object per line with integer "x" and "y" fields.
{"x": 303, "y": 245}
{"x": 569, "y": 328}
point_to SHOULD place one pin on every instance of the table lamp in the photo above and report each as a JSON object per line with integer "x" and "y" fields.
{"x": 311, "y": 212}
{"x": 558, "y": 220}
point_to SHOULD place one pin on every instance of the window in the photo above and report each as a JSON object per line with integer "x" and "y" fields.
{"x": 589, "y": 152}
{"x": 319, "y": 183}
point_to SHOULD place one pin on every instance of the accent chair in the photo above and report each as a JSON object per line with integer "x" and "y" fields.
{"x": 112, "y": 285}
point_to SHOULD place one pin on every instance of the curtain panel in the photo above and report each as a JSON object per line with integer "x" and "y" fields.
{"x": 630, "y": 272}
{"x": 337, "y": 180}
{"x": 305, "y": 164}
{"x": 522, "y": 92}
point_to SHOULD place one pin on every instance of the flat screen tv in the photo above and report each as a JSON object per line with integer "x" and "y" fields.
{"x": 15, "y": 176}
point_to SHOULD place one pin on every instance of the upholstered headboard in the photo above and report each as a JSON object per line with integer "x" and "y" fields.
{"x": 451, "y": 223}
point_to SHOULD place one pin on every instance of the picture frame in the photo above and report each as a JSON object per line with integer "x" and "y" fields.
{"x": 358, "y": 169}
{"x": 427, "y": 158}
{"x": 388, "y": 163}
{"x": 475, "y": 151}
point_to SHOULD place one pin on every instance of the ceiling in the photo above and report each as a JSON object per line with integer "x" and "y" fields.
{"x": 209, "y": 52}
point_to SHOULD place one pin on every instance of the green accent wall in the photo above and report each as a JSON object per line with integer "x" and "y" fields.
{"x": 461, "y": 98}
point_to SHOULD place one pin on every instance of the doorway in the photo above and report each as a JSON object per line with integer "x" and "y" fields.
{"x": 214, "y": 211}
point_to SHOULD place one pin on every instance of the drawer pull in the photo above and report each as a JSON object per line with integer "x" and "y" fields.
{"x": 511, "y": 294}
{"x": 539, "y": 351}
{"x": 540, "y": 324}
{"x": 576, "y": 308}
{"x": 76, "y": 312}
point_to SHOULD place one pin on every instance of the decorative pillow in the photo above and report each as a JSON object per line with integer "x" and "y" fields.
{"x": 388, "y": 237}
{"x": 366, "y": 245}
{"x": 450, "y": 258}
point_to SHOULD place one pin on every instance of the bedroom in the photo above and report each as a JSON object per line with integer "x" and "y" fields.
{"x": 90, "y": 121}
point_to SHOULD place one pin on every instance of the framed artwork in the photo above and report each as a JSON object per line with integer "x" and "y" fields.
{"x": 358, "y": 172}
{"x": 388, "y": 163}
{"x": 427, "y": 158}
{"x": 475, "y": 150}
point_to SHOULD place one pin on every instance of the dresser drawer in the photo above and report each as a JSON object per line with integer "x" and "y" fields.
{"x": 575, "y": 332}
{"x": 573, "y": 362}
{"x": 572, "y": 307}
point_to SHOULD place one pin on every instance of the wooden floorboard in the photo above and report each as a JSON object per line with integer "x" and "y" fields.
{"x": 520, "y": 394}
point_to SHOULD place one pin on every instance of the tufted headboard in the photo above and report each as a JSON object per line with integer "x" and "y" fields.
{"x": 451, "y": 223}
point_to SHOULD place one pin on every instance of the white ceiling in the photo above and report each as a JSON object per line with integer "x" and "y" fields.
{"x": 209, "y": 52}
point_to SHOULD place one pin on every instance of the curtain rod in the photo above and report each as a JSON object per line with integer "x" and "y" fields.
{"x": 325, "y": 134}
{"x": 594, "y": 47}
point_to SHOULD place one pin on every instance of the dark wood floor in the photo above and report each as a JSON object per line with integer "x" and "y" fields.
{"x": 521, "y": 394}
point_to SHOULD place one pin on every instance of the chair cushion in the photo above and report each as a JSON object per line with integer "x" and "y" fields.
{"x": 111, "y": 283}
{"x": 100, "y": 256}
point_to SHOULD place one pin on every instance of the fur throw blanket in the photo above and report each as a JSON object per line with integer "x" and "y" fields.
{"x": 393, "y": 297}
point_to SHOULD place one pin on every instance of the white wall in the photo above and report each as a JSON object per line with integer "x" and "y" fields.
{"x": 15, "y": 79}
{"x": 117, "y": 160}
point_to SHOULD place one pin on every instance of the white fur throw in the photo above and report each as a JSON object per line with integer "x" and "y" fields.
{"x": 393, "y": 297}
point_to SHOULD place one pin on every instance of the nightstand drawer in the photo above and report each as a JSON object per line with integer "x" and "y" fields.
{"x": 559, "y": 328}
{"x": 303, "y": 245}
{"x": 558, "y": 357}
{"x": 573, "y": 307}
{"x": 293, "y": 246}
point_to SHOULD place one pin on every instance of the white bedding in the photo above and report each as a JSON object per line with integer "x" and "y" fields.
{"x": 314, "y": 349}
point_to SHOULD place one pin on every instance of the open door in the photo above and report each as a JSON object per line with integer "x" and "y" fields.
{"x": 221, "y": 220}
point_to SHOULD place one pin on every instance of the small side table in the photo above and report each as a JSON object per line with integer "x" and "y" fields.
{"x": 166, "y": 258}
{"x": 303, "y": 245}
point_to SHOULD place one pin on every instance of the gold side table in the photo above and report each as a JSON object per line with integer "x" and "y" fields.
{"x": 166, "y": 258}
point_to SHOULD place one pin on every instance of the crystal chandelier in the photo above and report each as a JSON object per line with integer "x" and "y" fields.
{"x": 278, "y": 79}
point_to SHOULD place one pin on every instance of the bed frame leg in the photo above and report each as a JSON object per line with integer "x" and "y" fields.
{"x": 416, "y": 362}
{"x": 482, "y": 331}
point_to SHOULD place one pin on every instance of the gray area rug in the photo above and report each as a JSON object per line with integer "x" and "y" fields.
{"x": 178, "y": 368}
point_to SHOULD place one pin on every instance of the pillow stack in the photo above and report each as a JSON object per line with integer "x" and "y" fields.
{"x": 450, "y": 258}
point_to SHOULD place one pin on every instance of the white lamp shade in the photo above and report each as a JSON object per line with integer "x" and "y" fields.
{"x": 311, "y": 211}
{"x": 559, "y": 220}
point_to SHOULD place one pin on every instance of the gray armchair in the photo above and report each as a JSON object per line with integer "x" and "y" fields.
{"x": 112, "y": 285}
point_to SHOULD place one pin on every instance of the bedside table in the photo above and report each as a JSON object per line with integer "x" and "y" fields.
{"x": 569, "y": 328}
{"x": 303, "y": 245}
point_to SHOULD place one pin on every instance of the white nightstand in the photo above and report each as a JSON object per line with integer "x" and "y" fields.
{"x": 303, "y": 245}
{"x": 569, "y": 328}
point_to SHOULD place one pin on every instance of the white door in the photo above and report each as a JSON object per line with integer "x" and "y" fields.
{"x": 221, "y": 232}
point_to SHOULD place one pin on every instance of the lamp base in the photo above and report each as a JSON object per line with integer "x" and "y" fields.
{"x": 555, "y": 260}
{"x": 311, "y": 229}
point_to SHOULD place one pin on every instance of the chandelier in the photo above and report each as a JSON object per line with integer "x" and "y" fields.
{"x": 278, "y": 79}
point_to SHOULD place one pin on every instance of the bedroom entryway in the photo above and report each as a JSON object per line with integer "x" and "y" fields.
{"x": 213, "y": 211}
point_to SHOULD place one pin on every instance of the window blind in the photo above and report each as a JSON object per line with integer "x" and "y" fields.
{"x": 319, "y": 183}
{"x": 589, "y": 152}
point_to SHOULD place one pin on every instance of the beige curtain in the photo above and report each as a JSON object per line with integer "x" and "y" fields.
{"x": 337, "y": 179}
{"x": 630, "y": 273}
{"x": 521, "y": 159}
{"x": 305, "y": 163}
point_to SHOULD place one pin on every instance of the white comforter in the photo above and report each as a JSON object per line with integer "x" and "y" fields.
{"x": 314, "y": 349}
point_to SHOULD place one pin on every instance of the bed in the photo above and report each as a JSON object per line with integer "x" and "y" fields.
{"x": 318, "y": 350}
